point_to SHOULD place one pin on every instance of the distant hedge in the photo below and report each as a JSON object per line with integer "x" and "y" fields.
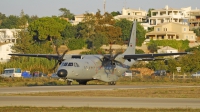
{"x": 181, "y": 45}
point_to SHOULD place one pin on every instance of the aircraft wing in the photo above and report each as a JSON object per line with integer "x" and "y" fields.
{"x": 151, "y": 56}
{"x": 150, "y": 59}
{"x": 48, "y": 56}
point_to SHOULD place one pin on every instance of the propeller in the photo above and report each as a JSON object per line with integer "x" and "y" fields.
{"x": 111, "y": 58}
{"x": 60, "y": 58}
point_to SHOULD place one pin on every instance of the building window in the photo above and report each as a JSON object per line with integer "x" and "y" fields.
{"x": 191, "y": 37}
{"x": 184, "y": 29}
{"x": 158, "y": 29}
{"x": 128, "y": 13}
{"x": 186, "y": 37}
{"x": 165, "y": 29}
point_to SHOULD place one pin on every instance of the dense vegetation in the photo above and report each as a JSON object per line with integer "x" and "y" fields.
{"x": 181, "y": 45}
{"x": 43, "y": 34}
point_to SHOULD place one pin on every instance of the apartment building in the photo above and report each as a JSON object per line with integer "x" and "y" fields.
{"x": 133, "y": 15}
{"x": 171, "y": 31}
{"x": 194, "y": 20}
{"x": 78, "y": 18}
{"x": 167, "y": 14}
{"x": 5, "y": 49}
{"x": 8, "y": 35}
{"x": 7, "y": 39}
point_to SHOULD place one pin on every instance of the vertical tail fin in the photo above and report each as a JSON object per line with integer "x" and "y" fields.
{"x": 132, "y": 41}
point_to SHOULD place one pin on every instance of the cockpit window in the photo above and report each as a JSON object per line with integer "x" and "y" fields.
{"x": 70, "y": 64}
{"x": 76, "y": 65}
{"x": 64, "y": 64}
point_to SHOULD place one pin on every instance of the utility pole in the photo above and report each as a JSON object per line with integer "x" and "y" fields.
{"x": 104, "y": 6}
{"x": 125, "y": 4}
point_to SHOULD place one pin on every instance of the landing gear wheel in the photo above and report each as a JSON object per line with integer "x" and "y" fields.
{"x": 83, "y": 83}
{"x": 112, "y": 83}
{"x": 69, "y": 82}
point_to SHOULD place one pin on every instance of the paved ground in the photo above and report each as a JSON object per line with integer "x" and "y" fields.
{"x": 59, "y": 101}
{"x": 117, "y": 102}
{"x": 32, "y": 89}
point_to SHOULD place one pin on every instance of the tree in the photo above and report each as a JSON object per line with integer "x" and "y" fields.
{"x": 106, "y": 25}
{"x": 10, "y": 22}
{"x": 2, "y": 17}
{"x": 87, "y": 28}
{"x": 98, "y": 40}
{"x": 149, "y": 12}
{"x": 22, "y": 21}
{"x": 139, "y": 51}
{"x": 99, "y": 24}
{"x": 180, "y": 45}
{"x": 74, "y": 43}
{"x": 47, "y": 28}
{"x": 140, "y": 34}
{"x": 152, "y": 47}
{"x": 126, "y": 27}
{"x": 197, "y": 31}
{"x": 190, "y": 63}
{"x": 172, "y": 64}
{"x": 66, "y": 13}
{"x": 115, "y": 13}
{"x": 157, "y": 65}
{"x": 69, "y": 31}
{"x": 24, "y": 43}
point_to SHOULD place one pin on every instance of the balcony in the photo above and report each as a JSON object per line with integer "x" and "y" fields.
{"x": 195, "y": 14}
{"x": 194, "y": 20}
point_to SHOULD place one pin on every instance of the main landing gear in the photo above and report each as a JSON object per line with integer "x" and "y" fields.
{"x": 112, "y": 83}
{"x": 69, "y": 81}
{"x": 83, "y": 83}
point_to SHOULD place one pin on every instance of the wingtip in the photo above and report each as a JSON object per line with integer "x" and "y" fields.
{"x": 190, "y": 53}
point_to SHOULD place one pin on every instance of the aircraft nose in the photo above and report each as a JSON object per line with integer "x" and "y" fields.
{"x": 62, "y": 73}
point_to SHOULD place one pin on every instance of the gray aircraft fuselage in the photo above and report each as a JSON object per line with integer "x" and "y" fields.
{"x": 89, "y": 67}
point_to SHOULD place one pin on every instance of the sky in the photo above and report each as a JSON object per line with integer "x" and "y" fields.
{"x": 43, "y": 8}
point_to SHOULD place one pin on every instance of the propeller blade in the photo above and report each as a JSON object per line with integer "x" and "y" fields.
{"x": 57, "y": 51}
{"x": 64, "y": 53}
{"x": 60, "y": 59}
{"x": 55, "y": 66}
{"x": 117, "y": 55}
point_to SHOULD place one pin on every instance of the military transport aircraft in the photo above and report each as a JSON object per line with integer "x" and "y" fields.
{"x": 107, "y": 68}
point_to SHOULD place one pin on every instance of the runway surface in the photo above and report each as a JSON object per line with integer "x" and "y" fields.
{"x": 32, "y": 89}
{"x": 117, "y": 102}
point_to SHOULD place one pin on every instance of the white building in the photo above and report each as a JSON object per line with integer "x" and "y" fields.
{"x": 168, "y": 49}
{"x": 78, "y": 19}
{"x": 8, "y": 35}
{"x": 5, "y": 49}
{"x": 133, "y": 15}
{"x": 168, "y": 14}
